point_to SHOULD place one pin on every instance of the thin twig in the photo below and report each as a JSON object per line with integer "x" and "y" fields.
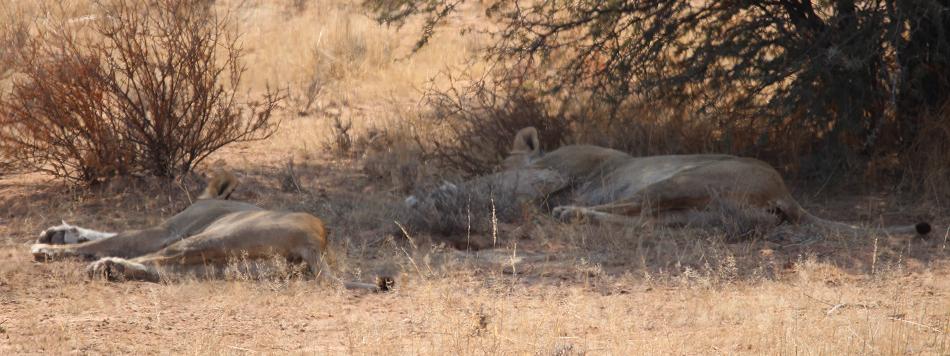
{"x": 411, "y": 260}
{"x": 187, "y": 194}
{"x": 241, "y": 349}
{"x": 836, "y": 306}
{"x": 494, "y": 221}
{"x": 818, "y": 300}
{"x": 406, "y": 234}
{"x": 931, "y": 328}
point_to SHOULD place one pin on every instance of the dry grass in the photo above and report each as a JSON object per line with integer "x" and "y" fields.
{"x": 462, "y": 304}
{"x": 545, "y": 288}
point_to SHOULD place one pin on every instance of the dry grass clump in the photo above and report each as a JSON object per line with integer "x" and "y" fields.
{"x": 289, "y": 179}
{"x": 14, "y": 32}
{"x": 392, "y": 157}
{"x": 456, "y": 211}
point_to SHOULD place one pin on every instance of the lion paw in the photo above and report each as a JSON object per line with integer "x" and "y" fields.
{"x": 567, "y": 213}
{"x": 63, "y": 234}
{"x": 385, "y": 283}
{"x": 109, "y": 268}
{"x": 42, "y": 252}
{"x": 119, "y": 269}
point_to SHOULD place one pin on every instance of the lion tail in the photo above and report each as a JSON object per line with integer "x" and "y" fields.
{"x": 796, "y": 214}
{"x": 220, "y": 186}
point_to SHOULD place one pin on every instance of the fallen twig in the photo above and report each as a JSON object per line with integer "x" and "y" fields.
{"x": 241, "y": 349}
{"x": 925, "y": 326}
{"x": 836, "y": 306}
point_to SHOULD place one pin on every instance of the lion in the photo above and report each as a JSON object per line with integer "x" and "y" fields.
{"x": 204, "y": 236}
{"x": 604, "y": 185}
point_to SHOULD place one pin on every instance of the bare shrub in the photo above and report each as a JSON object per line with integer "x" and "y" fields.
{"x": 305, "y": 98}
{"x": 641, "y": 130}
{"x": 288, "y": 177}
{"x": 146, "y": 89}
{"x": 340, "y": 141}
{"x": 475, "y": 121}
{"x": 927, "y": 172}
{"x": 351, "y": 50}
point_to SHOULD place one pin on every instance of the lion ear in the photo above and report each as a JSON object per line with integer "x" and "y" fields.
{"x": 526, "y": 141}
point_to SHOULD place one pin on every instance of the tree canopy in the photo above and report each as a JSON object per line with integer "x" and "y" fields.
{"x": 848, "y": 80}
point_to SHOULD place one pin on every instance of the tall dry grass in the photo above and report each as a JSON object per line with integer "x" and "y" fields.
{"x": 500, "y": 302}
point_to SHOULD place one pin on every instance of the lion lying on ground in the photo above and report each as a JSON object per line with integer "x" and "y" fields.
{"x": 202, "y": 237}
{"x": 605, "y": 185}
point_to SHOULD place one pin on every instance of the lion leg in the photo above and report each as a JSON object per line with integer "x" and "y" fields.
{"x": 674, "y": 194}
{"x": 215, "y": 249}
{"x": 666, "y": 218}
{"x": 196, "y": 253}
{"x": 48, "y": 252}
{"x": 126, "y": 244}
{"x": 569, "y": 213}
{"x": 65, "y": 234}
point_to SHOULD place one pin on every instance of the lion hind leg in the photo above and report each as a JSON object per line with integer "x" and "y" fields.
{"x": 652, "y": 203}
{"x": 673, "y": 194}
{"x": 572, "y": 213}
{"x": 668, "y": 218}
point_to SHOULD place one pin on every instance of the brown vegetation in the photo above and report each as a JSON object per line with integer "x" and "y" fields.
{"x": 141, "y": 90}
{"x": 822, "y": 90}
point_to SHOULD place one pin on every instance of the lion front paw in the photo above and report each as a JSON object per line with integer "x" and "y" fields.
{"x": 42, "y": 252}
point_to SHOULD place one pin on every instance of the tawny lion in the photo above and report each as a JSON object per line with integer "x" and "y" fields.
{"x": 606, "y": 185}
{"x": 205, "y": 235}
